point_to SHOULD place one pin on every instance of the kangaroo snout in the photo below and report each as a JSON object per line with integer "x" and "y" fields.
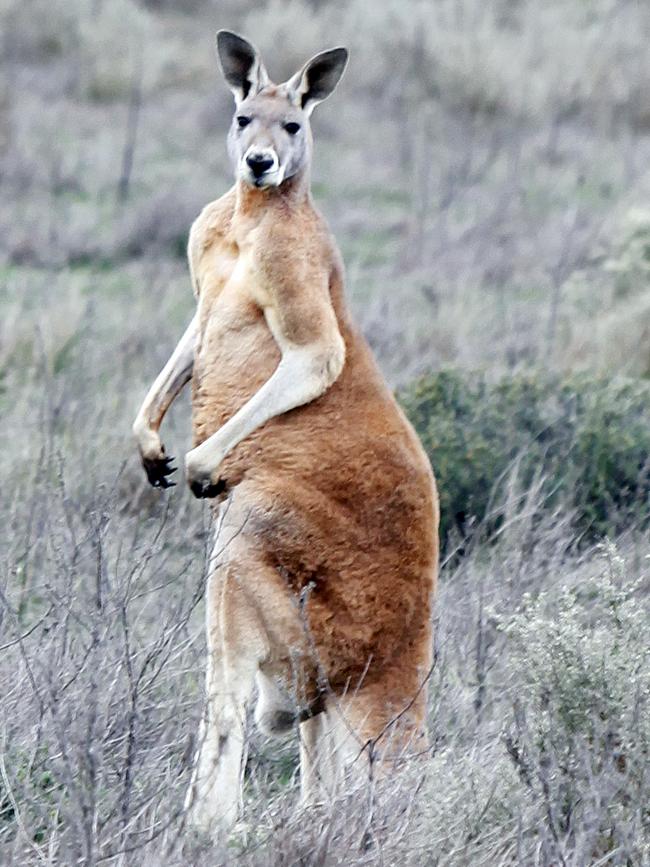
{"x": 259, "y": 162}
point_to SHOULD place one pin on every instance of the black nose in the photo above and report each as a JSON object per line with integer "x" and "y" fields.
{"x": 259, "y": 163}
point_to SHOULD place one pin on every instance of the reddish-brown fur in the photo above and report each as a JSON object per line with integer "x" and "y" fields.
{"x": 336, "y": 498}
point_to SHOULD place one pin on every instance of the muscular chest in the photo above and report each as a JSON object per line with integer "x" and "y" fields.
{"x": 233, "y": 332}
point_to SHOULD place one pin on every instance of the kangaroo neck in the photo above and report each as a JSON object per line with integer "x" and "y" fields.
{"x": 293, "y": 194}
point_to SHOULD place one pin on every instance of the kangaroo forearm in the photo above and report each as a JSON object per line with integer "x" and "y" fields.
{"x": 169, "y": 383}
{"x": 294, "y": 383}
{"x": 302, "y": 376}
{"x": 162, "y": 394}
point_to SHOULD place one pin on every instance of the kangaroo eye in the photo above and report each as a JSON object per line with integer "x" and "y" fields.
{"x": 243, "y": 121}
{"x": 292, "y": 128}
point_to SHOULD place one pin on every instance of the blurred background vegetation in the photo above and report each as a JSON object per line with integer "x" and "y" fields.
{"x": 484, "y": 167}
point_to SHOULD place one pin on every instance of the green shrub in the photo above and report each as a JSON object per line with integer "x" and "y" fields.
{"x": 588, "y": 437}
{"x": 579, "y": 734}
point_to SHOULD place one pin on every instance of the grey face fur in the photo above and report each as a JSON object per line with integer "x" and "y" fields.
{"x": 269, "y": 139}
{"x": 270, "y": 135}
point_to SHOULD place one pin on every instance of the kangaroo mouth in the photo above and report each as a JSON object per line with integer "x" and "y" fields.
{"x": 271, "y": 178}
{"x": 265, "y": 181}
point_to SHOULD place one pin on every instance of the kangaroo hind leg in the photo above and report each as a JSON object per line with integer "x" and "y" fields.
{"x": 236, "y": 648}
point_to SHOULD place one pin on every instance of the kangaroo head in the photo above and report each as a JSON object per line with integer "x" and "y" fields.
{"x": 270, "y": 136}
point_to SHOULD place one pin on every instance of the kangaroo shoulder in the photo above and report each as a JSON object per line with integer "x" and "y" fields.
{"x": 213, "y": 223}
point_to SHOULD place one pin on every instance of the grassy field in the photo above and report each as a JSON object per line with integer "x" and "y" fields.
{"x": 484, "y": 168}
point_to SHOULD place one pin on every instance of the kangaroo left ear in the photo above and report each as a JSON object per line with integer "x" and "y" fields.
{"x": 241, "y": 65}
{"x": 318, "y": 78}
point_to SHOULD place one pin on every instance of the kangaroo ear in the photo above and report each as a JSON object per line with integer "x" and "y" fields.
{"x": 241, "y": 65}
{"x": 318, "y": 78}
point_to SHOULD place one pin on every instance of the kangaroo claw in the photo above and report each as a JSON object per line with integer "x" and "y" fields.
{"x": 157, "y": 470}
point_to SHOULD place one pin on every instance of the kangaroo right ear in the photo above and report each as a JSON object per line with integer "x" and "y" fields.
{"x": 318, "y": 78}
{"x": 241, "y": 65}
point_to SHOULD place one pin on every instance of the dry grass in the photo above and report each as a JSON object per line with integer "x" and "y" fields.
{"x": 481, "y": 169}
{"x": 102, "y": 667}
